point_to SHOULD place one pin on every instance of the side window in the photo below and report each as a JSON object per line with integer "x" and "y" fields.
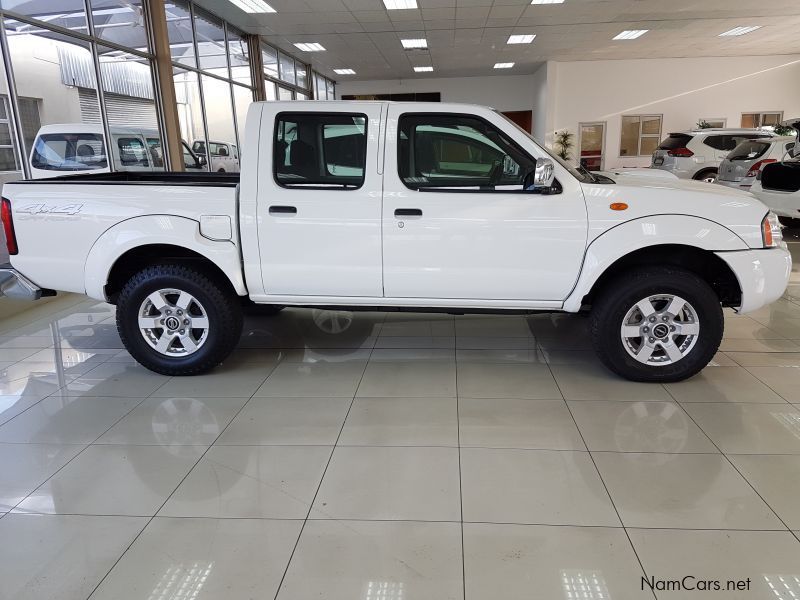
{"x": 320, "y": 149}
{"x": 459, "y": 151}
{"x": 716, "y": 141}
{"x": 132, "y": 152}
{"x": 69, "y": 152}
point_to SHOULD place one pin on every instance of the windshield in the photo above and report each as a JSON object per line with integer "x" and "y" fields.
{"x": 579, "y": 173}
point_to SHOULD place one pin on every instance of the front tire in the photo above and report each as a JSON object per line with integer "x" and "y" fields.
{"x": 176, "y": 320}
{"x": 657, "y": 324}
{"x": 708, "y": 176}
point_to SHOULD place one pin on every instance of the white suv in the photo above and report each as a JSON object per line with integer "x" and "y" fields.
{"x": 697, "y": 154}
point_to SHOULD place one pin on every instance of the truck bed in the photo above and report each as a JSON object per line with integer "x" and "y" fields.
{"x": 144, "y": 178}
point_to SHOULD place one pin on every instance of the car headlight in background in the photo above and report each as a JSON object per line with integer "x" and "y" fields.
{"x": 771, "y": 231}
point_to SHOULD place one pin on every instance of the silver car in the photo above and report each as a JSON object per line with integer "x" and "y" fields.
{"x": 743, "y": 164}
{"x": 697, "y": 154}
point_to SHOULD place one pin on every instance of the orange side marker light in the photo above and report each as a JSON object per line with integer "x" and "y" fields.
{"x": 618, "y": 206}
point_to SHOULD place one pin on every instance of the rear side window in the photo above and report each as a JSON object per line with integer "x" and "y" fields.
{"x": 675, "y": 141}
{"x": 729, "y": 142}
{"x": 749, "y": 150}
{"x": 69, "y": 152}
{"x": 132, "y": 152}
{"x": 320, "y": 150}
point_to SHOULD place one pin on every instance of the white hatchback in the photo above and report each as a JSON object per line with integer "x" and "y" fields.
{"x": 742, "y": 166}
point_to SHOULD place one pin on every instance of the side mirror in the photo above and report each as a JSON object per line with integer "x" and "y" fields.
{"x": 545, "y": 173}
{"x": 202, "y": 160}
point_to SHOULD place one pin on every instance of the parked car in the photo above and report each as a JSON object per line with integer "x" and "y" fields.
{"x": 697, "y": 154}
{"x": 398, "y": 206}
{"x": 81, "y": 148}
{"x": 224, "y": 155}
{"x": 743, "y": 164}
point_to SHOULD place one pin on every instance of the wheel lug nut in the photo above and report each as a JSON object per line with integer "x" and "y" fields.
{"x": 183, "y": 331}
{"x": 169, "y": 312}
{"x": 186, "y": 321}
{"x": 652, "y": 339}
{"x": 652, "y": 319}
{"x": 672, "y": 328}
{"x": 645, "y": 329}
{"x": 665, "y": 318}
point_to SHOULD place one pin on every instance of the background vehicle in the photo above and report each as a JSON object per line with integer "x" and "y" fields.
{"x": 697, "y": 154}
{"x": 743, "y": 164}
{"x": 78, "y": 147}
{"x": 224, "y": 155}
{"x": 452, "y": 208}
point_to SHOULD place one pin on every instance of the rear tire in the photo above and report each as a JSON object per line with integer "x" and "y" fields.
{"x": 650, "y": 343}
{"x": 176, "y": 320}
{"x": 708, "y": 176}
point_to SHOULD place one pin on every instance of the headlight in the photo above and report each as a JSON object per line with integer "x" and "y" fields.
{"x": 771, "y": 231}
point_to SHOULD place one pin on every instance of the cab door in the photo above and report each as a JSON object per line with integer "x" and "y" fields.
{"x": 319, "y": 200}
{"x": 458, "y": 221}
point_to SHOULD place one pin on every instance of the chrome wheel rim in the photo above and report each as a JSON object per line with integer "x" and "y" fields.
{"x": 660, "y": 330}
{"x": 710, "y": 179}
{"x": 173, "y": 322}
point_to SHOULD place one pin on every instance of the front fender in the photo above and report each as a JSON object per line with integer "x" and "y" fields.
{"x": 619, "y": 241}
{"x": 157, "y": 229}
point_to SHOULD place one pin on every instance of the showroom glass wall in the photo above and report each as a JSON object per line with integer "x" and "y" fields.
{"x": 286, "y": 78}
{"x": 54, "y": 54}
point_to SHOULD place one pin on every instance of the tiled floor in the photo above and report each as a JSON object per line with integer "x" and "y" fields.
{"x": 407, "y": 456}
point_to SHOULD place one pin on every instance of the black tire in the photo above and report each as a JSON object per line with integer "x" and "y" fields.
{"x": 621, "y": 294}
{"x": 706, "y": 173}
{"x": 223, "y": 311}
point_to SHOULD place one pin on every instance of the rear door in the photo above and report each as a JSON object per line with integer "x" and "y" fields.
{"x": 319, "y": 200}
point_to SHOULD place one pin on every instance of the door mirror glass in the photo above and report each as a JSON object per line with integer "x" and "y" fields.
{"x": 544, "y": 175}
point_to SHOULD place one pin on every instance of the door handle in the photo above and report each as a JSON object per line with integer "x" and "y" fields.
{"x": 408, "y": 212}
{"x": 287, "y": 210}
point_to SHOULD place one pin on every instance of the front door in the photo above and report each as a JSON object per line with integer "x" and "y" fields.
{"x": 592, "y": 137}
{"x": 319, "y": 201}
{"x": 458, "y": 221}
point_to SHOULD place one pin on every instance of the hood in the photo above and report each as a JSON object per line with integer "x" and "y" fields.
{"x": 699, "y": 188}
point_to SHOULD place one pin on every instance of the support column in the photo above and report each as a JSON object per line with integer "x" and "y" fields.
{"x": 256, "y": 67}
{"x": 166, "y": 87}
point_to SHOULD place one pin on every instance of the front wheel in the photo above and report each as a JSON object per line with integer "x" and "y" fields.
{"x": 175, "y": 320}
{"x": 657, "y": 324}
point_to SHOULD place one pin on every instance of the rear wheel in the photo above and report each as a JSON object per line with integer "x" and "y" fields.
{"x": 657, "y": 324}
{"x": 709, "y": 176}
{"x": 175, "y": 320}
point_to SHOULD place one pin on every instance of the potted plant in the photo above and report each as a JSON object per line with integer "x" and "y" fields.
{"x": 563, "y": 144}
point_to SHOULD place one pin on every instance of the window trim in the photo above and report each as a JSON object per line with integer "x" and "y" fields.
{"x": 337, "y": 187}
{"x": 453, "y": 189}
{"x": 761, "y": 114}
{"x": 641, "y": 135}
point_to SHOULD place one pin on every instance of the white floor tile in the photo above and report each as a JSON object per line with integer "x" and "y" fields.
{"x": 722, "y": 384}
{"x": 700, "y": 491}
{"x": 784, "y": 381}
{"x": 277, "y": 482}
{"x": 595, "y": 382}
{"x": 24, "y": 467}
{"x": 777, "y": 479}
{"x": 399, "y": 379}
{"x": 114, "y": 380}
{"x": 390, "y": 483}
{"x": 533, "y": 486}
{"x": 305, "y": 380}
{"x": 495, "y": 380}
{"x": 342, "y": 560}
{"x": 203, "y": 559}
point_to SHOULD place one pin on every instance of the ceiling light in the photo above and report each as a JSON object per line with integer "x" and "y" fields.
{"x": 400, "y": 4}
{"x": 630, "y": 34}
{"x": 740, "y": 30}
{"x": 423, "y": 69}
{"x": 415, "y": 43}
{"x": 503, "y": 65}
{"x": 344, "y": 71}
{"x": 309, "y": 47}
{"x": 521, "y": 39}
{"x": 547, "y": 2}
{"x": 253, "y": 6}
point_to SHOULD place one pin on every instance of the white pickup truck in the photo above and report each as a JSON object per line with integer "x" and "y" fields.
{"x": 397, "y": 206}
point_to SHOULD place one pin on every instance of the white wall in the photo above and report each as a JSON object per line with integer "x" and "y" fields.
{"x": 683, "y": 90}
{"x": 506, "y": 93}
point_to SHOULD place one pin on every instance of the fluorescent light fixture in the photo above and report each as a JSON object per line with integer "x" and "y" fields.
{"x": 630, "y": 34}
{"x": 503, "y": 65}
{"x": 521, "y": 39}
{"x": 400, "y": 4}
{"x": 547, "y": 1}
{"x": 309, "y": 47}
{"x": 344, "y": 71}
{"x": 423, "y": 69}
{"x": 253, "y": 6}
{"x": 740, "y": 30}
{"x": 415, "y": 43}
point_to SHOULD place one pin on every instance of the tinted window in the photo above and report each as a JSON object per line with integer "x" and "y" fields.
{"x": 749, "y": 150}
{"x": 729, "y": 142}
{"x": 458, "y": 151}
{"x": 69, "y": 152}
{"x": 675, "y": 141}
{"x": 317, "y": 149}
{"x": 132, "y": 152}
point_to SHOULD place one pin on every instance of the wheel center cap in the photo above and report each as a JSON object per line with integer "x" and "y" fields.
{"x": 661, "y": 331}
{"x": 172, "y": 323}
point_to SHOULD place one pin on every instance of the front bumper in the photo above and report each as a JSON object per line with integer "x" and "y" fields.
{"x": 15, "y": 285}
{"x": 763, "y": 274}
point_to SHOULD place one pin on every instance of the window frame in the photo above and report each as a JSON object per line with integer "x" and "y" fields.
{"x": 456, "y": 189}
{"x": 287, "y": 115}
{"x": 761, "y": 114}
{"x": 10, "y": 125}
{"x": 641, "y": 135}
